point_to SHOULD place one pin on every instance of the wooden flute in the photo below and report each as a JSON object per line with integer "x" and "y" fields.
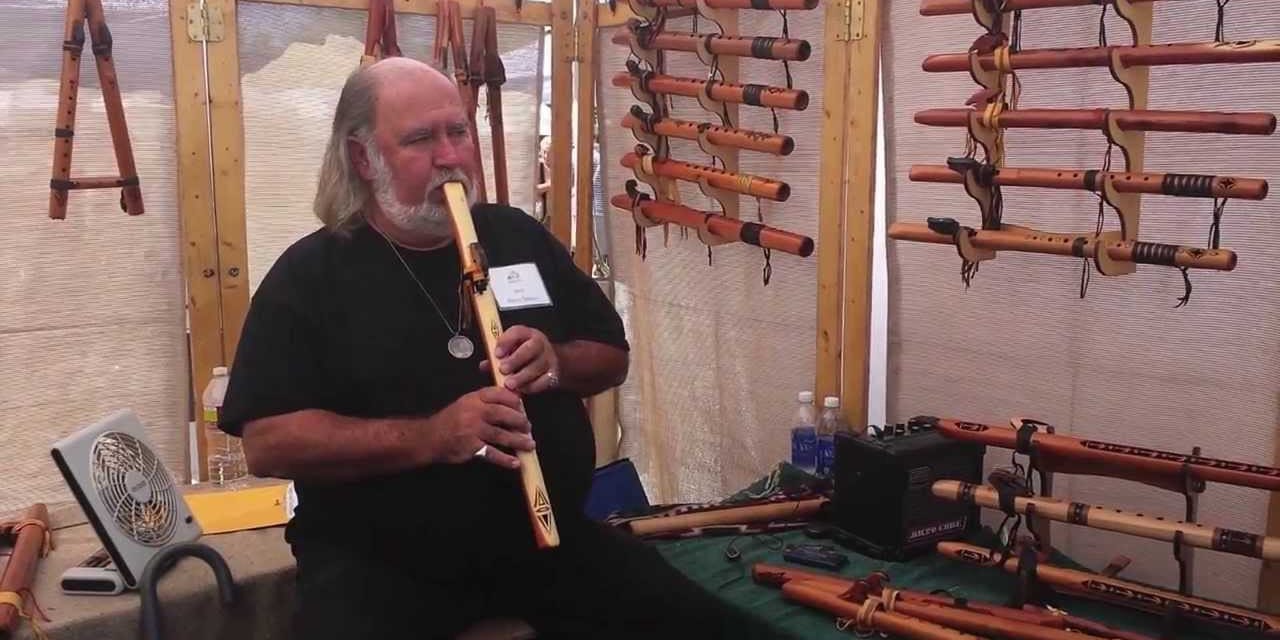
{"x": 723, "y": 227}
{"x": 1030, "y": 619}
{"x": 957, "y": 7}
{"x": 723, "y": 515}
{"x": 1248, "y": 123}
{"x": 475, "y": 274}
{"x": 637, "y": 119}
{"x": 869, "y": 614}
{"x": 1136, "y": 524}
{"x": 1120, "y": 592}
{"x": 31, "y": 542}
{"x": 1017, "y": 238}
{"x": 1238, "y": 52}
{"x": 756, "y": 95}
{"x": 736, "y": 182}
{"x": 768, "y": 5}
{"x": 762, "y": 47}
{"x": 1182, "y": 185}
{"x": 1095, "y": 457}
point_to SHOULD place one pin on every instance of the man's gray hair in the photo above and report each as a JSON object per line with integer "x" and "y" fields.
{"x": 341, "y": 194}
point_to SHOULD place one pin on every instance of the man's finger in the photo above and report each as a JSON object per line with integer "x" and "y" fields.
{"x": 507, "y": 418}
{"x": 500, "y": 396}
{"x": 527, "y": 352}
{"x": 522, "y": 378}
{"x": 511, "y": 338}
{"x": 493, "y": 456}
{"x": 509, "y": 440}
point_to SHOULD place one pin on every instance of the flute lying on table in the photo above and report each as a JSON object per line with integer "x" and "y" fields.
{"x": 868, "y": 615}
{"x": 1123, "y": 593}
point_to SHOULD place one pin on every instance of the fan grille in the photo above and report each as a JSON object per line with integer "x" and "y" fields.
{"x": 136, "y": 492}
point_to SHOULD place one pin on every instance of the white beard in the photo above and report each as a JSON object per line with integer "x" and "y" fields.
{"x": 425, "y": 218}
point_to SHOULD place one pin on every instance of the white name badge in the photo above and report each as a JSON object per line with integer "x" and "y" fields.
{"x": 518, "y": 286}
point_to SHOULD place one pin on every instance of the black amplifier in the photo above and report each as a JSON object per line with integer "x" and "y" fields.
{"x": 882, "y": 484}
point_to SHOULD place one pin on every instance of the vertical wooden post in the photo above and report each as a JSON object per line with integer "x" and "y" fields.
{"x": 861, "y": 106}
{"x": 563, "y": 54}
{"x": 586, "y": 76}
{"x": 195, "y": 209}
{"x": 831, "y": 190}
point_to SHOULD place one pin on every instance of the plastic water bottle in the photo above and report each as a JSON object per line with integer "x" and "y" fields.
{"x": 830, "y": 422}
{"x": 804, "y": 438}
{"x": 226, "y": 457}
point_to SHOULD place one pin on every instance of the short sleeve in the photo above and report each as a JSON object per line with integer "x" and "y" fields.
{"x": 276, "y": 368}
{"x": 585, "y": 311}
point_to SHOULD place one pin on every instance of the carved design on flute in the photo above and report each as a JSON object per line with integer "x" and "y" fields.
{"x": 1182, "y": 458}
{"x": 1154, "y": 599}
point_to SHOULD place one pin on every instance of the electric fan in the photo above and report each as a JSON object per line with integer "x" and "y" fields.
{"x": 125, "y": 491}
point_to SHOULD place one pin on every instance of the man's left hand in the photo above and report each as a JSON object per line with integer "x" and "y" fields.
{"x": 528, "y": 360}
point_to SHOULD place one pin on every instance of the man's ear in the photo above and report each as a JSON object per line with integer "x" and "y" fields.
{"x": 359, "y": 158}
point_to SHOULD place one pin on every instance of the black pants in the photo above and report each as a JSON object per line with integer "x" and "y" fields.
{"x": 599, "y": 584}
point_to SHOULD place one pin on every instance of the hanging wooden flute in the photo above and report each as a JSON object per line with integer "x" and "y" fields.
{"x": 756, "y": 95}
{"x": 475, "y": 274}
{"x": 30, "y": 543}
{"x": 766, "y": 5}
{"x": 736, "y": 182}
{"x": 1170, "y": 184}
{"x": 1239, "y": 52}
{"x": 723, "y": 227}
{"x": 765, "y": 48}
{"x": 640, "y": 120}
{"x": 1095, "y": 457}
{"x": 1251, "y": 123}
{"x": 1136, "y": 524}
{"x": 1016, "y": 238}
{"x": 958, "y": 7}
{"x": 1123, "y": 593}
{"x": 869, "y": 615}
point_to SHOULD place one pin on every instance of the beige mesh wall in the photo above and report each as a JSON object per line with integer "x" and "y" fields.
{"x": 1122, "y": 364}
{"x": 91, "y": 307}
{"x": 718, "y": 356}
{"x": 293, "y": 62}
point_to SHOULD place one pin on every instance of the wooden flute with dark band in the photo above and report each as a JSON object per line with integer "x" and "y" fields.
{"x": 736, "y": 182}
{"x": 767, "y": 5}
{"x": 756, "y": 95}
{"x": 1239, "y": 52}
{"x": 640, "y": 120}
{"x": 1120, "y": 592}
{"x": 1136, "y": 524}
{"x": 723, "y": 227}
{"x": 765, "y": 48}
{"x": 475, "y": 275}
{"x": 957, "y": 7}
{"x": 1016, "y": 238}
{"x": 1095, "y": 457}
{"x": 1184, "y": 185}
{"x": 870, "y": 614}
{"x": 1248, "y": 123}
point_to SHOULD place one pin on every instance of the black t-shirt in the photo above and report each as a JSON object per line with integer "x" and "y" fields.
{"x": 338, "y": 324}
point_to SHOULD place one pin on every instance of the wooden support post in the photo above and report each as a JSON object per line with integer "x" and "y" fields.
{"x": 562, "y": 59}
{"x": 195, "y": 209}
{"x": 535, "y": 13}
{"x": 861, "y": 107}
{"x": 586, "y": 31}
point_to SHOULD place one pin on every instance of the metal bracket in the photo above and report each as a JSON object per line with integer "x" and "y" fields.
{"x": 853, "y": 17}
{"x": 204, "y": 23}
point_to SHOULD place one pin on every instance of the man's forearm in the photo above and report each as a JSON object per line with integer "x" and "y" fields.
{"x": 321, "y": 446}
{"x": 587, "y": 367}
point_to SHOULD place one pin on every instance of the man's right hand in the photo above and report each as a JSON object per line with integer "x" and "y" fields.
{"x": 491, "y": 416}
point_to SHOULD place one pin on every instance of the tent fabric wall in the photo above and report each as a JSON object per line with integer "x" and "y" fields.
{"x": 293, "y": 63}
{"x": 1121, "y": 364}
{"x": 719, "y": 356}
{"x": 91, "y": 307}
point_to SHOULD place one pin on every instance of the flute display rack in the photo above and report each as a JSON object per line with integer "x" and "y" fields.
{"x": 649, "y": 39}
{"x": 993, "y": 61}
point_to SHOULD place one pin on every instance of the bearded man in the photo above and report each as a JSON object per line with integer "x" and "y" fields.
{"x": 358, "y": 377}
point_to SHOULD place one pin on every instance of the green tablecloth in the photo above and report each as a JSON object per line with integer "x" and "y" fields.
{"x": 705, "y": 562}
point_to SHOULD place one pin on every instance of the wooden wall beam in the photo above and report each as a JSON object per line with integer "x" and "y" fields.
{"x": 563, "y": 54}
{"x": 585, "y": 28}
{"x": 831, "y": 191}
{"x": 536, "y": 13}
{"x": 195, "y": 210}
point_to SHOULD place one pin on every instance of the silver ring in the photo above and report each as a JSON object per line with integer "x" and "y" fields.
{"x": 553, "y": 379}
{"x": 480, "y": 453}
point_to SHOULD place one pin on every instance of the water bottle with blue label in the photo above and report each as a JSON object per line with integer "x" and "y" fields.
{"x": 829, "y": 423}
{"x": 804, "y": 436}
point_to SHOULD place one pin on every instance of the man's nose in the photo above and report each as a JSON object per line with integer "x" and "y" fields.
{"x": 450, "y": 155}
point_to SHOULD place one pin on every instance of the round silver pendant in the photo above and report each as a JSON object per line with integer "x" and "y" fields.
{"x": 461, "y": 347}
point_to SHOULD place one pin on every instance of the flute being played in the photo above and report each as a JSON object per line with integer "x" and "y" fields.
{"x": 756, "y": 95}
{"x": 1247, "y": 51}
{"x": 869, "y": 614}
{"x": 1248, "y": 123}
{"x": 1016, "y": 238}
{"x": 1169, "y": 184}
{"x": 736, "y": 182}
{"x": 1137, "y": 524}
{"x": 637, "y": 119}
{"x": 723, "y": 227}
{"x": 1120, "y": 592}
{"x": 1094, "y": 457}
{"x": 762, "y": 47}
